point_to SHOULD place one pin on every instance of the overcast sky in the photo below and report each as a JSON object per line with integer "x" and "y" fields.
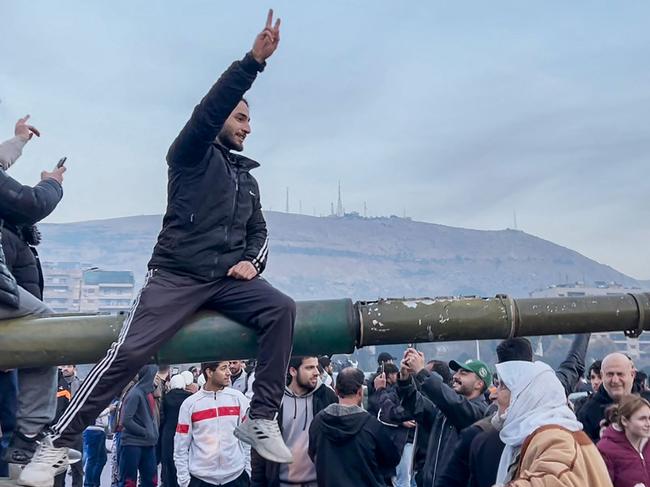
{"x": 458, "y": 113}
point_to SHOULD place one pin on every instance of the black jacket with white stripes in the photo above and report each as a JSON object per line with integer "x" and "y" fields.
{"x": 214, "y": 216}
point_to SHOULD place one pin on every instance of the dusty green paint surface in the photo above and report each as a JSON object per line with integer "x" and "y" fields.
{"x": 330, "y": 326}
{"x": 389, "y": 321}
{"x": 321, "y": 326}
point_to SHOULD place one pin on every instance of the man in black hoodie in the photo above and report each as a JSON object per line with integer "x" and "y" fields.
{"x": 139, "y": 433}
{"x": 212, "y": 247}
{"x": 348, "y": 445}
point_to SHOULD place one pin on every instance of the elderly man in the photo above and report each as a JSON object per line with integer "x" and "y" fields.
{"x": 617, "y": 372}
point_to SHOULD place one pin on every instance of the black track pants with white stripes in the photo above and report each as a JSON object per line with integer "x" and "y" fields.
{"x": 164, "y": 304}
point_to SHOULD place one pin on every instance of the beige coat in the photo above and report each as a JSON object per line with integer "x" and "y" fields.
{"x": 556, "y": 457}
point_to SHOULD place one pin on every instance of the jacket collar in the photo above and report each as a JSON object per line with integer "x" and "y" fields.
{"x": 602, "y": 396}
{"x": 236, "y": 159}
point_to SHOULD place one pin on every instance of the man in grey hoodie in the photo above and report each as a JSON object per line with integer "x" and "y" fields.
{"x": 304, "y": 397}
{"x": 139, "y": 433}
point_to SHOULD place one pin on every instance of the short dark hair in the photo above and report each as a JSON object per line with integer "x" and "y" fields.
{"x": 349, "y": 381}
{"x": 210, "y": 365}
{"x": 595, "y": 367}
{"x": 515, "y": 348}
{"x": 639, "y": 381}
{"x": 297, "y": 360}
{"x": 245, "y": 101}
{"x": 441, "y": 368}
{"x": 390, "y": 369}
{"x": 324, "y": 361}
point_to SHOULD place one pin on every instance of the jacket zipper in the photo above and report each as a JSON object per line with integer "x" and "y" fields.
{"x": 435, "y": 465}
{"x": 645, "y": 470}
{"x": 234, "y": 204}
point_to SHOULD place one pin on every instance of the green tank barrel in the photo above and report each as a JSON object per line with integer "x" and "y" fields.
{"x": 331, "y": 326}
{"x": 390, "y": 321}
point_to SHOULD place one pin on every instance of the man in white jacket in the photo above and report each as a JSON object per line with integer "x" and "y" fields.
{"x": 206, "y": 453}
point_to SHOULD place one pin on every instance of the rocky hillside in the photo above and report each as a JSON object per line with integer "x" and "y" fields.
{"x": 362, "y": 258}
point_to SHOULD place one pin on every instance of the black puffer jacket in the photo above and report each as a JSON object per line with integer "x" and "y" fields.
{"x": 8, "y": 285}
{"x": 20, "y": 208}
{"x": 214, "y": 216}
{"x": 22, "y": 258}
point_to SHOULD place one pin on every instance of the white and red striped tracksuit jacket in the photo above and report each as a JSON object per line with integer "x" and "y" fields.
{"x": 204, "y": 444}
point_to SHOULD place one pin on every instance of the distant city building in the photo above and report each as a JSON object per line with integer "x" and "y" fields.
{"x": 630, "y": 346}
{"x": 575, "y": 289}
{"x": 77, "y": 287}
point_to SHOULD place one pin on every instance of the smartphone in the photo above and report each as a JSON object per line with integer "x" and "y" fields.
{"x": 61, "y": 162}
{"x": 382, "y": 368}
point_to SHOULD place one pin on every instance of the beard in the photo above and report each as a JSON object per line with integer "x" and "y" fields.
{"x": 305, "y": 384}
{"x": 229, "y": 141}
{"x": 462, "y": 389}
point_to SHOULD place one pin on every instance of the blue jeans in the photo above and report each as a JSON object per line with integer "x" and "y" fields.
{"x": 136, "y": 460}
{"x": 115, "y": 459}
{"x": 94, "y": 456}
{"x": 403, "y": 469}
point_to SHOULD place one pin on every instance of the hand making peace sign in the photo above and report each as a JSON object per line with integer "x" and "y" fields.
{"x": 267, "y": 41}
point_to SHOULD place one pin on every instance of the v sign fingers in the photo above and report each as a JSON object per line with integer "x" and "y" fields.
{"x": 266, "y": 41}
{"x": 269, "y": 19}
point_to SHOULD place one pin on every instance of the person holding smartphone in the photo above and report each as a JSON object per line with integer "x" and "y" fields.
{"x": 21, "y": 286}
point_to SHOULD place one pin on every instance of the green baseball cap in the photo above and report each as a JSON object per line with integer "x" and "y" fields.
{"x": 476, "y": 366}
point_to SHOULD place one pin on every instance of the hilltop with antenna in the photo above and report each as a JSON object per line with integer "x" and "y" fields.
{"x": 349, "y": 255}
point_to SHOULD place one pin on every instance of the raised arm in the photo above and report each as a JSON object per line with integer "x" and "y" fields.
{"x": 12, "y": 149}
{"x": 573, "y": 366}
{"x": 26, "y": 205}
{"x": 211, "y": 113}
{"x": 459, "y": 411}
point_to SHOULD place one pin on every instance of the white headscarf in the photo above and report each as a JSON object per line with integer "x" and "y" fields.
{"x": 537, "y": 398}
{"x": 188, "y": 376}
{"x": 177, "y": 382}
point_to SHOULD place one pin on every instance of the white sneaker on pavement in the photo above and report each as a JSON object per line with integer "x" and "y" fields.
{"x": 264, "y": 436}
{"x": 47, "y": 463}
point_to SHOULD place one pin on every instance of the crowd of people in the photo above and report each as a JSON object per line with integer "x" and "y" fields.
{"x": 412, "y": 423}
{"x": 288, "y": 421}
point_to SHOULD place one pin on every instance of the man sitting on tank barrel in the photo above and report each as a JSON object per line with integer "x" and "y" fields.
{"x": 212, "y": 247}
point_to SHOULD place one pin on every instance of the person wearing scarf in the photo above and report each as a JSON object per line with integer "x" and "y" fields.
{"x": 544, "y": 442}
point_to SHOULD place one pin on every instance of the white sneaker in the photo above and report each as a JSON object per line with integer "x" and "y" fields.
{"x": 264, "y": 436}
{"x": 47, "y": 463}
